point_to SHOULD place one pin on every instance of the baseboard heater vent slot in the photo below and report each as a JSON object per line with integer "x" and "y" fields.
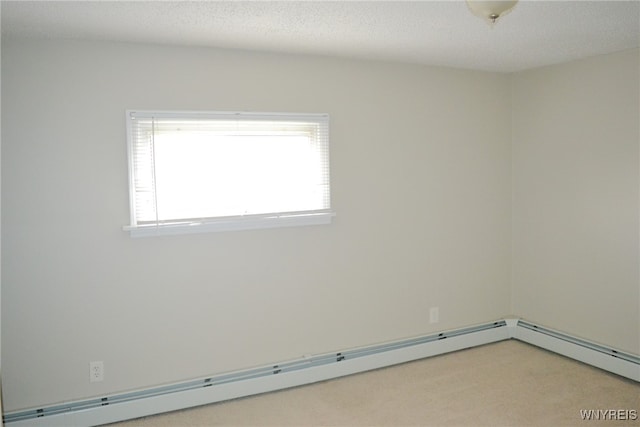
{"x": 271, "y": 370}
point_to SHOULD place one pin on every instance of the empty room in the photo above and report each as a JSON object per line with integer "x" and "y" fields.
{"x": 313, "y": 213}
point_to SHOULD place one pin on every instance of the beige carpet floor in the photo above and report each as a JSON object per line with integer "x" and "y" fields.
{"x": 509, "y": 383}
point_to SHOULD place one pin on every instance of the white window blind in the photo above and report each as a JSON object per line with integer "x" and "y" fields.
{"x": 207, "y": 171}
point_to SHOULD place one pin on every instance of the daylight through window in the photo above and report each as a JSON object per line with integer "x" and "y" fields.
{"x": 194, "y": 171}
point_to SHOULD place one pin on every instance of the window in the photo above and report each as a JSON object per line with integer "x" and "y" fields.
{"x": 214, "y": 171}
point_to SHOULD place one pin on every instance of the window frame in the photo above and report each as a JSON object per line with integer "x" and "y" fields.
{"x": 138, "y": 228}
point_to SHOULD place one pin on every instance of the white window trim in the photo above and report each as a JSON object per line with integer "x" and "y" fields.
{"x": 248, "y": 222}
{"x": 218, "y": 224}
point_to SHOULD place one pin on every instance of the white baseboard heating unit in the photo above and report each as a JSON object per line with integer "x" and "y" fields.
{"x": 606, "y": 358}
{"x": 307, "y": 370}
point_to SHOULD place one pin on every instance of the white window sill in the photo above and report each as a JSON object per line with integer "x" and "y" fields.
{"x": 230, "y": 224}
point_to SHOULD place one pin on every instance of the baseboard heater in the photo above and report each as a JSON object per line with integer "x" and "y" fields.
{"x": 603, "y": 357}
{"x": 307, "y": 370}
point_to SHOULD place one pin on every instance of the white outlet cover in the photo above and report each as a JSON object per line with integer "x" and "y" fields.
{"x": 96, "y": 371}
{"x": 434, "y": 315}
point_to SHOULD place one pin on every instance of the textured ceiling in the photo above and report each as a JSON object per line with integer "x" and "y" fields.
{"x": 535, "y": 33}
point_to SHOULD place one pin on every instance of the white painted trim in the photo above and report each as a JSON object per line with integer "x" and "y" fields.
{"x": 254, "y": 222}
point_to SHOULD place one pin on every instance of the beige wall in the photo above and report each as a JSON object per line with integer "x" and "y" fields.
{"x": 421, "y": 175}
{"x": 429, "y": 213}
{"x": 575, "y": 198}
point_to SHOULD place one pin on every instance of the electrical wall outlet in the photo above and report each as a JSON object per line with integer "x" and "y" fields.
{"x": 96, "y": 371}
{"x": 434, "y": 315}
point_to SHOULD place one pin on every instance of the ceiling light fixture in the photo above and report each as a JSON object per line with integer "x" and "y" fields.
{"x": 491, "y": 10}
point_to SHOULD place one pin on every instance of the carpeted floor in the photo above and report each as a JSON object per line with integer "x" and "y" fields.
{"x": 509, "y": 383}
